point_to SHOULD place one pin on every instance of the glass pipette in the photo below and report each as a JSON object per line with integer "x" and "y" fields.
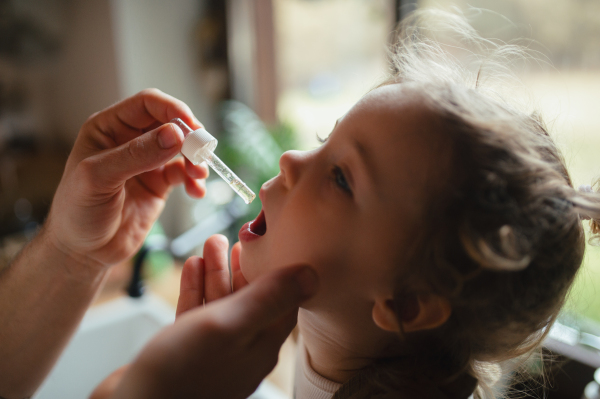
{"x": 198, "y": 146}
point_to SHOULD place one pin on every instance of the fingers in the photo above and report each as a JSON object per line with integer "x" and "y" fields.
{"x": 199, "y": 171}
{"x": 237, "y": 278}
{"x": 191, "y": 291}
{"x": 216, "y": 271}
{"x": 262, "y": 303}
{"x": 195, "y": 188}
{"x": 138, "y": 152}
{"x": 149, "y": 151}
{"x": 194, "y": 182}
{"x": 160, "y": 181}
{"x": 139, "y": 112}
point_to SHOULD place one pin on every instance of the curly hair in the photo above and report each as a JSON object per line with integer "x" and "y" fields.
{"x": 502, "y": 238}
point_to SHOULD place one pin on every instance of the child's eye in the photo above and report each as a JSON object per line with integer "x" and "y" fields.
{"x": 340, "y": 179}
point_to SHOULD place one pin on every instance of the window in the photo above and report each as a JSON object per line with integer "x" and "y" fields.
{"x": 329, "y": 54}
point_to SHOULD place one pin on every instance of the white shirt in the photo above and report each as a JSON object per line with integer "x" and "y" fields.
{"x": 308, "y": 384}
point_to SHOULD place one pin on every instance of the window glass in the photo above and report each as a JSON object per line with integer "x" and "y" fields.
{"x": 329, "y": 54}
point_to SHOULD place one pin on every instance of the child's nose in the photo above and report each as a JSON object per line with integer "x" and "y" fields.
{"x": 289, "y": 165}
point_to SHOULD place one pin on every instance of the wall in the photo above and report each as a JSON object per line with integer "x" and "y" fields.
{"x": 156, "y": 47}
{"x": 85, "y": 76}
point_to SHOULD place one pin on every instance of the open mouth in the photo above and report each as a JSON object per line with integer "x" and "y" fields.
{"x": 259, "y": 225}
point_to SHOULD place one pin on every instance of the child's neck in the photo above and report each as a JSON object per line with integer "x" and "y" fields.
{"x": 338, "y": 348}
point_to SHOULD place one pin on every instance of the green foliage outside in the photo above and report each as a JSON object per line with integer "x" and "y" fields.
{"x": 252, "y": 151}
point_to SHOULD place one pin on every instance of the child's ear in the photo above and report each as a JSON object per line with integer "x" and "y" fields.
{"x": 419, "y": 312}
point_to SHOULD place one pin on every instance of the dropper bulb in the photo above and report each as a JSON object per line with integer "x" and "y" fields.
{"x": 198, "y": 146}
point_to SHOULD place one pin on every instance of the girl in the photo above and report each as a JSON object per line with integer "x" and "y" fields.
{"x": 443, "y": 226}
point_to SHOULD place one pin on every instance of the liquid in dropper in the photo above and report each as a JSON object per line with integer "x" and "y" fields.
{"x": 198, "y": 146}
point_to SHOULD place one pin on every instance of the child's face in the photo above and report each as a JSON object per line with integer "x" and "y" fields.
{"x": 346, "y": 207}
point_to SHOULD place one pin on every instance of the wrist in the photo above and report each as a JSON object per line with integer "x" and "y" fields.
{"x": 44, "y": 287}
{"x": 76, "y": 266}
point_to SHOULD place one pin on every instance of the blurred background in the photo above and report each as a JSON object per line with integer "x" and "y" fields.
{"x": 264, "y": 76}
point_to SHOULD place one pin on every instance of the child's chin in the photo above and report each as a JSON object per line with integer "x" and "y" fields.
{"x": 249, "y": 270}
{"x": 253, "y": 269}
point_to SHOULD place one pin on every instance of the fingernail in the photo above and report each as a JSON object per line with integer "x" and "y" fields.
{"x": 308, "y": 280}
{"x": 167, "y": 137}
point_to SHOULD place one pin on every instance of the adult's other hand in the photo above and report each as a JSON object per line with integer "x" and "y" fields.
{"x": 203, "y": 280}
{"x": 225, "y": 349}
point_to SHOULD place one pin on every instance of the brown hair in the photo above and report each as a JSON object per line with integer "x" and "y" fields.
{"x": 501, "y": 238}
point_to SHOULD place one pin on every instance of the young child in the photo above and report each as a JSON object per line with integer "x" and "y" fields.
{"x": 443, "y": 226}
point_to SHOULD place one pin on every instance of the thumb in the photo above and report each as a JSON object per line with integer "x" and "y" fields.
{"x": 260, "y": 304}
{"x": 142, "y": 154}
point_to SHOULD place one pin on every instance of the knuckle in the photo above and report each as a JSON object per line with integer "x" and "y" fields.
{"x": 89, "y": 175}
{"x": 135, "y": 148}
{"x": 150, "y": 92}
{"x": 91, "y": 118}
{"x": 88, "y": 168}
{"x": 186, "y": 107}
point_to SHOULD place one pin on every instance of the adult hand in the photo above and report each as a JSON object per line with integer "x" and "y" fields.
{"x": 117, "y": 178}
{"x": 114, "y": 186}
{"x": 225, "y": 349}
{"x": 203, "y": 280}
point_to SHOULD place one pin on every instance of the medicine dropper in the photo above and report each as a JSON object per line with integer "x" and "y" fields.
{"x": 198, "y": 146}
